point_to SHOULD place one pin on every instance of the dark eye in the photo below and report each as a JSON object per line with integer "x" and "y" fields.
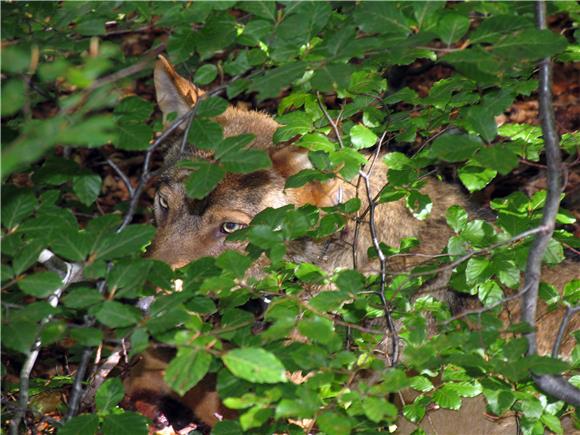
{"x": 162, "y": 202}
{"x": 230, "y": 227}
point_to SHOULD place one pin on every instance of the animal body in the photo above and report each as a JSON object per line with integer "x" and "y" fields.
{"x": 189, "y": 229}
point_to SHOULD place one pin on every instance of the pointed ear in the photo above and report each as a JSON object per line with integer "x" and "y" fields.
{"x": 175, "y": 94}
{"x": 290, "y": 160}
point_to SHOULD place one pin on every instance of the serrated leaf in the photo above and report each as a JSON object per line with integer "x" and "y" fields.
{"x": 452, "y": 27}
{"x": 87, "y": 187}
{"x": 475, "y": 177}
{"x": 131, "y": 240}
{"x": 334, "y": 423}
{"x": 82, "y": 297}
{"x": 187, "y": 369}
{"x": 19, "y": 335}
{"x": 40, "y": 284}
{"x": 205, "y": 74}
{"x": 233, "y": 144}
{"x": 447, "y": 398}
{"x": 203, "y": 179}
{"x": 85, "y": 424}
{"x": 245, "y": 161}
{"x": 362, "y": 137}
{"x": 234, "y": 262}
{"x": 16, "y": 205}
{"x": 255, "y": 365}
{"x": 109, "y": 394}
{"x": 90, "y": 337}
{"x": 500, "y": 158}
{"x": 117, "y": 315}
{"x": 211, "y": 106}
{"x": 205, "y": 134}
{"x": 318, "y": 329}
{"x": 378, "y": 409}
{"x": 126, "y": 423}
{"x": 455, "y": 148}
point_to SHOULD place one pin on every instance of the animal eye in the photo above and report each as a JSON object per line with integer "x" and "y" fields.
{"x": 163, "y": 202}
{"x": 230, "y": 227}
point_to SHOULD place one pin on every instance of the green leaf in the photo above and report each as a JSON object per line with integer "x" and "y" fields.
{"x": 530, "y": 44}
{"x": 261, "y": 8}
{"x": 126, "y": 423}
{"x": 187, "y": 369}
{"x": 456, "y": 218}
{"x": 316, "y": 142}
{"x": 499, "y": 157}
{"x": 245, "y": 161}
{"x": 455, "y": 148}
{"x": 478, "y": 270}
{"x": 13, "y": 92}
{"x": 17, "y": 204}
{"x": 117, "y": 315}
{"x": 203, "y": 179}
{"x": 475, "y": 177}
{"x": 482, "y": 120}
{"x": 293, "y": 124}
{"x": 553, "y": 423}
{"x": 87, "y": 187}
{"x": 40, "y": 284}
{"x": 85, "y": 424}
{"x": 205, "y": 74}
{"x": 211, "y": 106}
{"x": 334, "y": 423}
{"x": 131, "y": 240}
{"x": 362, "y": 137}
{"x": 71, "y": 244}
{"x": 270, "y": 84}
{"x": 332, "y": 77}
{"x": 452, "y": 27}
{"x": 255, "y": 365}
{"x": 318, "y": 329}
{"x": 378, "y": 409}
{"x": 554, "y": 253}
{"x": 82, "y": 297}
{"x": 27, "y": 257}
{"x": 90, "y": 337}
{"x": 234, "y": 262}
{"x": 19, "y": 335}
{"x": 446, "y": 397}
{"x": 205, "y": 134}
{"x": 233, "y": 144}
{"x": 545, "y": 365}
{"x": 109, "y": 394}
{"x": 381, "y": 17}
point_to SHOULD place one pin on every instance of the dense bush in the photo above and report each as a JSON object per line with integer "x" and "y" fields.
{"x": 428, "y": 78}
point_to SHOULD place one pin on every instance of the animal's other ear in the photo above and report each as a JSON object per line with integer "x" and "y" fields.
{"x": 289, "y": 161}
{"x": 175, "y": 94}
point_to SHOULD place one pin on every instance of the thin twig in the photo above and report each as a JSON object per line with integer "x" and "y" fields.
{"x": 570, "y": 311}
{"x": 330, "y": 120}
{"x": 122, "y": 176}
{"x": 538, "y": 230}
{"x": 394, "y": 357}
{"x": 482, "y": 310}
{"x": 68, "y": 275}
{"x": 556, "y": 386}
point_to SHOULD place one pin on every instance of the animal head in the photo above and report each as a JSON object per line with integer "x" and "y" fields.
{"x": 188, "y": 228}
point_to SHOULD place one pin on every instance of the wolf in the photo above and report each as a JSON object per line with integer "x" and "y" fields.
{"x": 188, "y": 229}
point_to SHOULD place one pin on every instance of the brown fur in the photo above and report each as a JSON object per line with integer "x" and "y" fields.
{"x": 190, "y": 229}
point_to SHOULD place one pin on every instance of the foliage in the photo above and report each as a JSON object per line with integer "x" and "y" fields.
{"x": 64, "y": 98}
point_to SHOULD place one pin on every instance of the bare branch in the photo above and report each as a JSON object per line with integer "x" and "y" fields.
{"x": 68, "y": 272}
{"x": 553, "y": 385}
{"x": 333, "y": 124}
{"x": 488, "y": 307}
{"x": 122, "y": 176}
{"x": 394, "y": 357}
{"x": 570, "y": 311}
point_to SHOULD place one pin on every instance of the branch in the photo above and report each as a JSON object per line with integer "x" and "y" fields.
{"x": 570, "y": 311}
{"x": 68, "y": 273}
{"x": 553, "y": 385}
{"x": 383, "y": 271}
